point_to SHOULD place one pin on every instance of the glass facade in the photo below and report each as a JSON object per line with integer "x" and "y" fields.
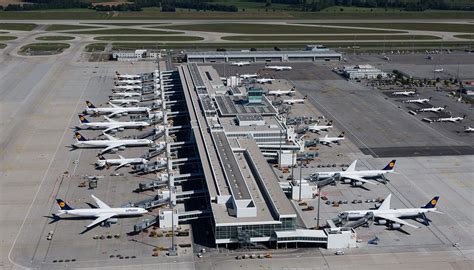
{"x": 258, "y": 230}
{"x": 302, "y": 239}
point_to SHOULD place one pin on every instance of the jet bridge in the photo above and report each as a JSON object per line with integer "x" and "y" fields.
{"x": 154, "y": 151}
{"x": 182, "y": 217}
{"x": 150, "y": 203}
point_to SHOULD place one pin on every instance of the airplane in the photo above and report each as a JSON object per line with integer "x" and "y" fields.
{"x": 326, "y": 140}
{"x": 120, "y": 88}
{"x": 317, "y": 128}
{"x": 386, "y": 58}
{"x": 438, "y": 70}
{"x": 248, "y": 76}
{"x": 128, "y": 82}
{"x": 111, "y": 125}
{"x": 126, "y": 94}
{"x": 357, "y": 178}
{"x": 278, "y": 68}
{"x": 451, "y": 119}
{"x": 468, "y": 129}
{"x": 404, "y": 93}
{"x": 384, "y": 214}
{"x": 122, "y": 102}
{"x": 121, "y": 162}
{"x": 419, "y": 101}
{"x": 282, "y": 92}
{"x": 294, "y": 101}
{"x": 110, "y": 144}
{"x": 240, "y": 64}
{"x": 127, "y": 76}
{"x": 432, "y": 109}
{"x": 264, "y": 80}
{"x": 104, "y": 214}
{"x": 115, "y": 110}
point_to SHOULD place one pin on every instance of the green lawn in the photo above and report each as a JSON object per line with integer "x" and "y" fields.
{"x": 17, "y": 26}
{"x": 59, "y": 47}
{"x": 149, "y": 38}
{"x": 249, "y": 28}
{"x": 255, "y": 6}
{"x": 465, "y": 36}
{"x": 55, "y": 38}
{"x": 2, "y": 46}
{"x": 63, "y": 27}
{"x": 317, "y": 38}
{"x": 7, "y": 37}
{"x": 96, "y": 47}
{"x": 125, "y": 24}
{"x": 125, "y": 31}
{"x": 440, "y": 27}
{"x": 54, "y": 15}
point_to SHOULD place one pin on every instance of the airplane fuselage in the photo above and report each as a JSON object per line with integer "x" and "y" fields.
{"x": 117, "y": 110}
{"x": 94, "y": 212}
{"x": 361, "y": 173}
{"x": 399, "y": 213}
{"x": 106, "y": 143}
{"x": 114, "y": 125}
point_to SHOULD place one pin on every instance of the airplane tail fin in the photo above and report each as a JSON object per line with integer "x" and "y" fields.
{"x": 390, "y": 166}
{"x": 83, "y": 119}
{"x": 352, "y": 167}
{"x": 90, "y": 105}
{"x": 63, "y": 205}
{"x": 432, "y": 203}
{"x": 341, "y": 135}
{"x": 79, "y": 137}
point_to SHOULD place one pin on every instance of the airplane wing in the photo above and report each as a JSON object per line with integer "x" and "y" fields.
{"x": 115, "y": 113}
{"x": 395, "y": 219}
{"x": 122, "y": 164}
{"x": 359, "y": 179}
{"x": 111, "y": 146}
{"x": 110, "y": 128}
{"x": 100, "y": 219}
{"x": 100, "y": 203}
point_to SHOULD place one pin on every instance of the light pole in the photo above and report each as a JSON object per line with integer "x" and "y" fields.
{"x": 301, "y": 176}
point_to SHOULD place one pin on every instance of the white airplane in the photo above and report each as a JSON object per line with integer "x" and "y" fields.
{"x": 110, "y": 144}
{"x": 122, "y": 102}
{"x": 468, "y": 129}
{"x": 317, "y": 128}
{"x": 104, "y": 214}
{"x": 127, "y": 76}
{"x": 451, "y": 119}
{"x": 121, "y": 162}
{"x": 278, "y": 68}
{"x": 128, "y": 82}
{"x": 404, "y": 93}
{"x": 432, "y": 109}
{"x": 282, "y": 92}
{"x": 384, "y": 214}
{"x": 248, "y": 76}
{"x": 121, "y": 88}
{"x": 419, "y": 100}
{"x": 326, "y": 140}
{"x": 438, "y": 70}
{"x": 110, "y": 125}
{"x": 126, "y": 94}
{"x": 264, "y": 80}
{"x": 294, "y": 101}
{"x": 240, "y": 64}
{"x": 115, "y": 110}
{"x": 357, "y": 178}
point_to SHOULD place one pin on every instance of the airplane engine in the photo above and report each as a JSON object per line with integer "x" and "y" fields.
{"x": 109, "y": 222}
{"x": 347, "y": 181}
{"x": 120, "y": 129}
{"x": 356, "y": 183}
{"x": 381, "y": 222}
{"x": 122, "y": 148}
{"x": 395, "y": 226}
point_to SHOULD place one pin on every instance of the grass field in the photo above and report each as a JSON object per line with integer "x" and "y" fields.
{"x": 148, "y": 38}
{"x": 125, "y": 24}
{"x": 7, "y": 37}
{"x": 125, "y": 31}
{"x": 318, "y": 38}
{"x": 96, "y": 47}
{"x": 17, "y": 26}
{"x": 63, "y": 27}
{"x": 465, "y": 36}
{"x": 2, "y": 46}
{"x": 55, "y": 38}
{"x": 440, "y": 27}
{"x": 45, "y": 47}
{"x": 248, "y": 28}
{"x": 255, "y": 6}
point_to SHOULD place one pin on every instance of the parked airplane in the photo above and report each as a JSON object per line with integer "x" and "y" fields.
{"x": 432, "y": 109}
{"x": 264, "y": 80}
{"x": 127, "y": 94}
{"x": 115, "y": 110}
{"x": 248, "y": 76}
{"x": 110, "y": 125}
{"x": 294, "y": 101}
{"x": 111, "y": 144}
{"x": 404, "y": 93}
{"x": 357, "y": 178}
{"x": 438, "y": 70}
{"x": 121, "y": 162}
{"x": 121, "y": 88}
{"x": 419, "y": 100}
{"x": 128, "y": 82}
{"x": 282, "y": 92}
{"x": 279, "y": 68}
{"x": 326, "y": 140}
{"x": 122, "y": 102}
{"x": 468, "y": 129}
{"x": 104, "y": 214}
{"x": 127, "y": 76}
{"x": 451, "y": 119}
{"x": 384, "y": 214}
{"x": 317, "y": 128}
{"x": 240, "y": 64}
